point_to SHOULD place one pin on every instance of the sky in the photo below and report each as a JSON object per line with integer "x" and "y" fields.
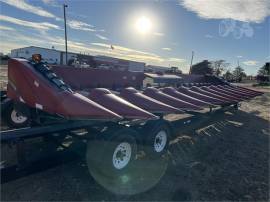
{"x": 152, "y": 31}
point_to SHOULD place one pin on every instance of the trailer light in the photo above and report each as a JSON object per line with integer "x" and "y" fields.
{"x": 36, "y": 58}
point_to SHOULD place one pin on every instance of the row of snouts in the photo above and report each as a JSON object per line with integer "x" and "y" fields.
{"x": 130, "y": 103}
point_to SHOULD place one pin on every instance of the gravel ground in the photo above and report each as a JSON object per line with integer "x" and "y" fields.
{"x": 225, "y": 158}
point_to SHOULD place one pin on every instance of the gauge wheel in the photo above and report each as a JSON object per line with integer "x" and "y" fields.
{"x": 157, "y": 138}
{"x": 18, "y": 117}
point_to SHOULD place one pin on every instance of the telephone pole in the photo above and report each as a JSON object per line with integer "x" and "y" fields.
{"x": 191, "y": 62}
{"x": 64, "y": 7}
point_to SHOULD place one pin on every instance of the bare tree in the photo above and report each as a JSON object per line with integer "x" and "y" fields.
{"x": 228, "y": 76}
{"x": 219, "y": 66}
{"x": 239, "y": 73}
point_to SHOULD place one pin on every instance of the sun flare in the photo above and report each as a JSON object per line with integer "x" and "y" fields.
{"x": 143, "y": 25}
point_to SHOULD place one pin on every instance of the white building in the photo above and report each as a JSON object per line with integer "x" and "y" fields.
{"x": 154, "y": 68}
{"x": 121, "y": 64}
{"x": 50, "y": 56}
{"x": 161, "y": 80}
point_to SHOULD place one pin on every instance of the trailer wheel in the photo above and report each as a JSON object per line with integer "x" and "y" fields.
{"x": 157, "y": 138}
{"x": 17, "y": 117}
{"x": 138, "y": 175}
{"x": 117, "y": 151}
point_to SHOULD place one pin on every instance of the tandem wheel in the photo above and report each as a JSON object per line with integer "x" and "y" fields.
{"x": 114, "y": 152}
{"x": 113, "y": 162}
{"x": 157, "y": 135}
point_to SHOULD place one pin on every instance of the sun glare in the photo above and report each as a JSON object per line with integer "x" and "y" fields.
{"x": 143, "y": 25}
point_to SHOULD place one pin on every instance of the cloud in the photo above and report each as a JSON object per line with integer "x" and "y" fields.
{"x": 51, "y": 3}
{"x": 83, "y": 26}
{"x": 132, "y": 54}
{"x": 209, "y": 36}
{"x": 241, "y": 10}
{"x": 158, "y": 34}
{"x": 13, "y": 40}
{"x": 41, "y": 26}
{"x": 101, "y": 37}
{"x": 6, "y": 28}
{"x": 23, "y": 5}
{"x": 123, "y": 49}
{"x": 250, "y": 62}
{"x": 239, "y": 56}
{"x": 75, "y": 24}
{"x": 19, "y": 39}
{"x": 102, "y": 45}
{"x": 167, "y": 49}
{"x": 176, "y": 60}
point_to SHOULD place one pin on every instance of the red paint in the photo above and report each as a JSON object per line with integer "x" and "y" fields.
{"x": 118, "y": 105}
{"x": 22, "y": 76}
{"x": 146, "y": 102}
{"x": 169, "y": 100}
{"x": 87, "y": 78}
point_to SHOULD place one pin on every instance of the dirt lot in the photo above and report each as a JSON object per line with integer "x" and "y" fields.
{"x": 226, "y": 158}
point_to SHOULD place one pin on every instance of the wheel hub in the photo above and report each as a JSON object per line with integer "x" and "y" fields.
{"x": 160, "y": 141}
{"x": 121, "y": 155}
{"x": 17, "y": 117}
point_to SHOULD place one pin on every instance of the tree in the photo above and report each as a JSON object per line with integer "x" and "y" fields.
{"x": 264, "y": 70}
{"x": 264, "y": 73}
{"x": 228, "y": 76}
{"x": 239, "y": 73}
{"x": 174, "y": 70}
{"x": 203, "y": 68}
{"x": 219, "y": 66}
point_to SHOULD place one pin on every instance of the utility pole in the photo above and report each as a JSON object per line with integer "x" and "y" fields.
{"x": 191, "y": 62}
{"x": 64, "y": 7}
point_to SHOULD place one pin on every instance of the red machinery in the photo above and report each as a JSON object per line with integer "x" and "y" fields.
{"x": 38, "y": 99}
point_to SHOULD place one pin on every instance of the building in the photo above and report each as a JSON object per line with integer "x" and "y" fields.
{"x": 161, "y": 80}
{"x": 51, "y": 56}
{"x": 106, "y": 62}
{"x": 156, "y": 69}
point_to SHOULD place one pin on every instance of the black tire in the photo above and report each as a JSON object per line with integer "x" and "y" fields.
{"x": 157, "y": 136}
{"x": 140, "y": 175}
{"x": 114, "y": 145}
{"x": 17, "y": 116}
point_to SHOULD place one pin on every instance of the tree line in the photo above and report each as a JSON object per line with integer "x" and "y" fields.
{"x": 221, "y": 68}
